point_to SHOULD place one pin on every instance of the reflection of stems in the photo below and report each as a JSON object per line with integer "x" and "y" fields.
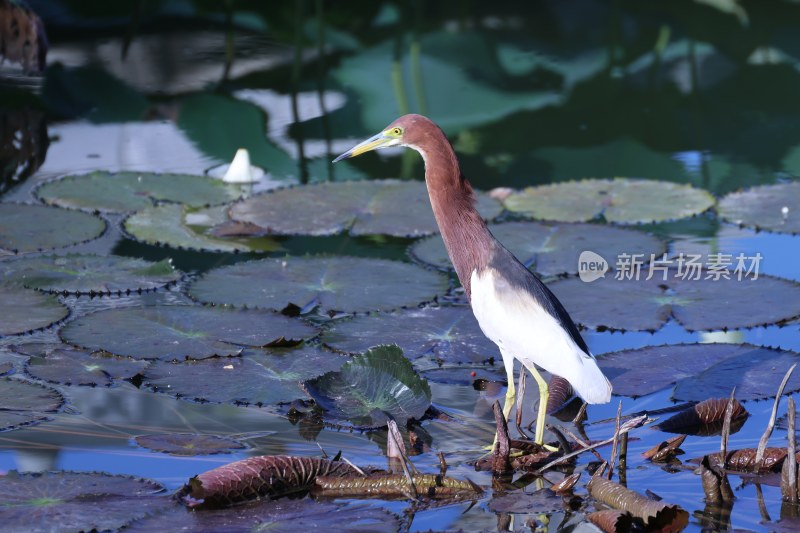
{"x": 229, "y": 50}
{"x": 416, "y": 68}
{"x": 326, "y": 130}
{"x": 296, "y": 70}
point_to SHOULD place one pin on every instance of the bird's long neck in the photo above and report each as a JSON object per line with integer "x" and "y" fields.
{"x": 469, "y": 243}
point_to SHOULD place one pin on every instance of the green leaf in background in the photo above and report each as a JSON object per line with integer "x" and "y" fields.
{"x": 36, "y": 228}
{"x": 27, "y": 310}
{"x": 768, "y": 207}
{"x": 23, "y": 404}
{"x": 68, "y": 365}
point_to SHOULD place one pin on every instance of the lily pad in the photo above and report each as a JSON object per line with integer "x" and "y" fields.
{"x": 131, "y": 191}
{"x": 373, "y": 388}
{"x": 90, "y": 274}
{"x": 34, "y": 228}
{"x": 551, "y": 249}
{"x": 700, "y": 370}
{"x": 769, "y": 207}
{"x": 26, "y": 403}
{"x": 67, "y": 365}
{"x": 445, "y": 334}
{"x": 188, "y": 444}
{"x": 32, "y": 310}
{"x": 181, "y": 332}
{"x": 181, "y": 227}
{"x": 703, "y": 304}
{"x": 261, "y": 377}
{"x": 387, "y": 207}
{"x": 621, "y": 200}
{"x": 77, "y": 501}
{"x": 333, "y": 283}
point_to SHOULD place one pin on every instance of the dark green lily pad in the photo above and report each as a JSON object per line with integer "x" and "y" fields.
{"x": 387, "y": 207}
{"x": 701, "y": 371}
{"x": 34, "y": 228}
{"x": 275, "y": 515}
{"x": 704, "y": 304}
{"x": 32, "y": 310}
{"x": 261, "y": 377}
{"x": 89, "y": 274}
{"x": 371, "y": 389}
{"x": 621, "y": 200}
{"x": 181, "y": 227}
{"x": 24, "y": 403}
{"x": 131, "y": 191}
{"x": 181, "y": 332}
{"x": 769, "y": 207}
{"x": 77, "y": 501}
{"x": 445, "y": 334}
{"x": 551, "y": 249}
{"x": 188, "y": 444}
{"x": 67, "y": 365}
{"x": 333, "y": 283}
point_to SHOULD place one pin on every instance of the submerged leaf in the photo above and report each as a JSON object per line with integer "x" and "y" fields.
{"x": 25, "y": 403}
{"x": 90, "y": 274}
{"x": 32, "y": 310}
{"x": 181, "y": 332}
{"x": 387, "y": 207}
{"x": 347, "y": 284}
{"x": 768, "y": 207}
{"x": 372, "y": 388}
{"x": 389, "y": 486}
{"x": 621, "y": 200}
{"x": 551, "y": 249}
{"x": 67, "y": 365}
{"x": 188, "y": 444}
{"x": 35, "y": 228}
{"x": 131, "y": 191}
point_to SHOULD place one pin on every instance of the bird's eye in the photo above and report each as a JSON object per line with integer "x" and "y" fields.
{"x": 397, "y": 132}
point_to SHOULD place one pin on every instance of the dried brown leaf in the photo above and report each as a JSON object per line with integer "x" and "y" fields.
{"x": 705, "y": 418}
{"x": 430, "y": 486}
{"x": 612, "y": 520}
{"x": 656, "y": 515}
{"x": 566, "y": 484}
{"x": 665, "y": 451}
{"x": 744, "y": 460}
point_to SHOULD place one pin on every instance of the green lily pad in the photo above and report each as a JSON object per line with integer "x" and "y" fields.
{"x": 333, "y": 283}
{"x": 703, "y": 304}
{"x": 769, "y": 207}
{"x": 188, "y": 444}
{"x": 701, "y": 371}
{"x": 131, "y": 191}
{"x": 177, "y": 226}
{"x": 261, "y": 377}
{"x": 445, "y": 334}
{"x": 550, "y": 249}
{"x": 181, "y": 332}
{"x": 77, "y": 501}
{"x": 386, "y": 207}
{"x": 371, "y": 389}
{"x": 26, "y": 403}
{"x": 35, "y": 228}
{"x": 32, "y": 310}
{"x": 67, "y": 365}
{"x": 621, "y": 200}
{"x": 92, "y": 274}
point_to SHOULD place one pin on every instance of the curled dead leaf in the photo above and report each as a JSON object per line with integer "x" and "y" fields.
{"x": 655, "y": 514}
{"x": 705, "y": 418}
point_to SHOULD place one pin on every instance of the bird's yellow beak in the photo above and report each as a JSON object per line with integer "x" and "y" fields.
{"x": 381, "y": 140}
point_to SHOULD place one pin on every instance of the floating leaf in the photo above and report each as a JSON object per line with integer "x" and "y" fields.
{"x": 387, "y": 207}
{"x": 705, "y": 418}
{"x": 371, "y": 388}
{"x": 67, "y": 365}
{"x": 744, "y": 460}
{"x": 768, "y": 207}
{"x": 551, "y": 249}
{"x": 621, "y": 200}
{"x": 25, "y": 403}
{"x": 665, "y": 451}
{"x": 256, "y": 477}
{"x": 333, "y": 283}
{"x": 702, "y": 304}
{"x": 131, "y": 191}
{"x": 657, "y": 515}
{"x": 34, "y": 228}
{"x": 540, "y": 501}
{"x": 445, "y": 334}
{"x": 708, "y": 368}
{"x": 261, "y": 377}
{"x": 391, "y": 486}
{"x": 180, "y": 332}
{"x": 77, "y": 501}
{"x": 611, "y": 520}
{"x": 32, "y": 310}
{"x": 90, "y": 274}
{"x": 188, "y": 444}
{"x": 177, "y": 226}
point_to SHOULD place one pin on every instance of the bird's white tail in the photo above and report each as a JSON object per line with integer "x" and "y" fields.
{"x": 590, "y": 383}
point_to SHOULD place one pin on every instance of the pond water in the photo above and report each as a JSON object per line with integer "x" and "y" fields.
{"x": 691, "y": 93}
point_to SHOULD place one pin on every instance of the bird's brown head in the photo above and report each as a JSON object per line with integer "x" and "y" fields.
{"x": 408, "y": 130}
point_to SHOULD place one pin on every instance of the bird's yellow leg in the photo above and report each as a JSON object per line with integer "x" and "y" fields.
{"x": 511, "y": 394}
{"x": 544, "y": 393}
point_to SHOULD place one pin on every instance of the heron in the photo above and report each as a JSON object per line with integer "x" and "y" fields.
{"x": 513, "y": 307}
